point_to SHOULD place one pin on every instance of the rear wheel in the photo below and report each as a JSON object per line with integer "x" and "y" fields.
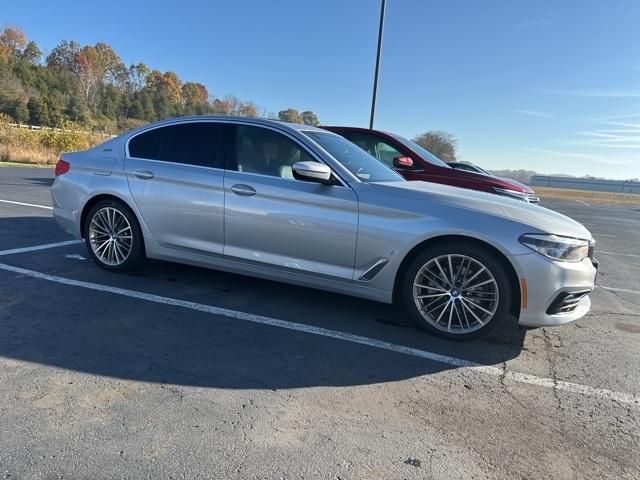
{"x": 113, "y": 237}
{"x": 456, "y": 290}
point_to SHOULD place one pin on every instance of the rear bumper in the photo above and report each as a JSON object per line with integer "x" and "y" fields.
{"x": 67, "y": 221}
{"x": 549, "y": 280}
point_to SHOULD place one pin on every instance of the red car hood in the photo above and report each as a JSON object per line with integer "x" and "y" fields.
{"x": 499, "y": 182}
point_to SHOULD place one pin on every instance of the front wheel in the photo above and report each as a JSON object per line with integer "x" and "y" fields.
{"x": 113, "y": 237}
{"x": 456, "y": 290}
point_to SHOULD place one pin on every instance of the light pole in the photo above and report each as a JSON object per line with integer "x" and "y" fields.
{"x": 375, "y": 78}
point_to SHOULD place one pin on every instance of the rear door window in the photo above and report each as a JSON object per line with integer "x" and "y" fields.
{"x": 195, "y": 143}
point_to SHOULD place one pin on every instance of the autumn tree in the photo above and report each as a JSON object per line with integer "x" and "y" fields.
{"x": 94, "y": 66}
{"x": 195, "y": 97}
{"x": 441, "y": 144}
{"x": 248, "y": 109}
{"x": 90, "y": 85}
{"x": 13, "y": 41}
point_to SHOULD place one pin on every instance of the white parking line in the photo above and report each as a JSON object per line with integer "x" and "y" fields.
{"x": 26, "y": 204}
{"x": 611, "y": 395}
{"x": 623, "y": 290}
{"x": 38, "y": 247}
{"x": 621, "y": 254}
{"x": 584, "y": 203}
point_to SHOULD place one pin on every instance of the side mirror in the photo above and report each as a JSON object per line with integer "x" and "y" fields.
{"x": 403, "y": 162}
{"x": 312, "y": 172}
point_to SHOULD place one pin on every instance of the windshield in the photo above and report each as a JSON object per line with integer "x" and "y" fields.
{"x": 426, "y": 154}
{"x": 355, "y": 159}
{"x": 469, "y": 168}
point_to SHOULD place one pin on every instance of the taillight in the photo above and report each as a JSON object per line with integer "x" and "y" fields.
{"x": 62, "y": 167}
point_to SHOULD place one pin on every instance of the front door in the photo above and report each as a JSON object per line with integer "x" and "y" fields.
{"x": 275, "y": 220}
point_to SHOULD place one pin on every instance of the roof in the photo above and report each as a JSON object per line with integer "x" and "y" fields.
{"x": 296, "y": 127}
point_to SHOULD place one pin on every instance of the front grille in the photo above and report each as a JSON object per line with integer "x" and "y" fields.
{"x": 566, "y": 302}
{"x": 532, "y": 198}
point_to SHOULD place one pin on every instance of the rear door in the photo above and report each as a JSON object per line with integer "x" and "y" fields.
{"x": 175, "y": 175}
{"x": 274, "y": 220}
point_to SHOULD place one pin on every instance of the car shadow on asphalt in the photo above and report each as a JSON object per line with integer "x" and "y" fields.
{"x": 40, "y": 181}
{"x": 117, "y": 336}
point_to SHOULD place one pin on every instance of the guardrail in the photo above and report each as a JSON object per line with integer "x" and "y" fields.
{"x": 54, "y": 129}
{"x": 591, "y": 184}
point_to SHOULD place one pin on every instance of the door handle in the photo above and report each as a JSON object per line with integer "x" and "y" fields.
{"x": 143, "y": 174}
{"x": 243, "y": 190}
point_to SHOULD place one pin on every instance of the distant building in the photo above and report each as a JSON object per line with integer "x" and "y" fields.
{"x": 592, "y": 184}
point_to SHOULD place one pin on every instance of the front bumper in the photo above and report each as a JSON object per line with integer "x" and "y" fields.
{"x": 547, "y": 281}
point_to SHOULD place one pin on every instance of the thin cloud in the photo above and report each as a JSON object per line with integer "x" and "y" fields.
{"x": 597, "y": 93}
{"x": 535, "y": 113}
{"x": 633, "y": 135}
{"x": 617, "y": 117}
{"x": 561, "y": 154}
{"x": 635, "y": 126}
{"x": 607, "y": 143}
{"x": 583, "y": 156}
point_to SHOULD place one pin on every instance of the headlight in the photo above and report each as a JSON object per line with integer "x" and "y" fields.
{"x": 566, "y": 249}
{"x": 511, "y": 193}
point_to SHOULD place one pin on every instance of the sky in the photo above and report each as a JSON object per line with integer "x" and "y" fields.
{"x": 545, "y": 85}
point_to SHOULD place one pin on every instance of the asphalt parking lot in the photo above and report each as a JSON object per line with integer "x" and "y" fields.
{"x": 180, "y": 372}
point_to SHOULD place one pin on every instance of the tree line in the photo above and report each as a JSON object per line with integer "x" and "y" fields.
{"x": 91, "y": 86}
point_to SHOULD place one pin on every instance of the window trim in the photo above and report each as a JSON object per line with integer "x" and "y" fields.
{"x": 227, "y": 140}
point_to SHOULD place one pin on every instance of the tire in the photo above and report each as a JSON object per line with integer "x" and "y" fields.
{"x": 106, "y": 236}
{"x": 465, "y": 305}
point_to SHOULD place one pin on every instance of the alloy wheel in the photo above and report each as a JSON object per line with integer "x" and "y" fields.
{"x": 456, "y": 293}
{"x": 110, "y": 236}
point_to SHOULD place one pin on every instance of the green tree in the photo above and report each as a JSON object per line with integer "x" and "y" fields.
{"x": 290, "y": 115}
{"x": 310, "y": 118}
{"x": 31, "y": 54}
{"x": 63, "y": 55}
{"x": 18, "y": 110}
{"x": 441, "y": 144}
{"x": 38, "y": 111}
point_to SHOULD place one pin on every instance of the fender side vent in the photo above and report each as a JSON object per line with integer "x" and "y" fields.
{"x": 373, "y": 270}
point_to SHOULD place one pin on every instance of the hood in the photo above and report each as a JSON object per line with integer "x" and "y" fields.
{"x": 491, "y": 180}
{"x": 535, "y": 216}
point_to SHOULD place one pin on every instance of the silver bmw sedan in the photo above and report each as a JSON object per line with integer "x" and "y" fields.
{"x": 297, "y": 204}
